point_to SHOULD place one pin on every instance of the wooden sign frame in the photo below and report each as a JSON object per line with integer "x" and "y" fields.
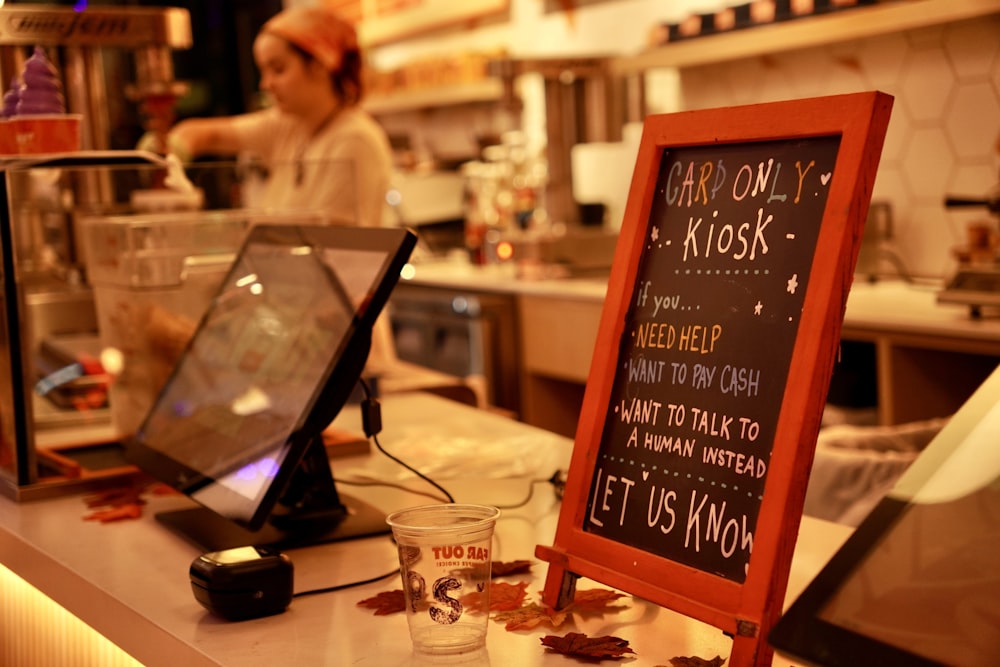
{"x": 745, "y": 610}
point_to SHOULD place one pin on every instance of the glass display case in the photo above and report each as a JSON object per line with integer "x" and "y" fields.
{"x": 109, "y": 260}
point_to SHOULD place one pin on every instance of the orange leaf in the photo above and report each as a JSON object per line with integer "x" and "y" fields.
{"x": 386, "y": 602}
{"x": 507, "y": 597}
{"x": 116, "y": 513}
{"x": 595, "y": 598}
{"x": 530, "y": 616}
{"x": 115, "y": 497}
{"x": 595, "y": 602}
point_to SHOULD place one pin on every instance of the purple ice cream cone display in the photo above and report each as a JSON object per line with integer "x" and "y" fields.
{"x": 41, "y": 90}
{"x": 11, "y": 98}
{"x": 37, "y": 109}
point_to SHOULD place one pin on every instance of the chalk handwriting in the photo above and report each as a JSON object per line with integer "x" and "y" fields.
{"x": 701, "y": 184}
{"x": 726, "y": 238}
{"x": 646, "y": 371}
{"x": 699, "y": 338}
{"x": 728, "y": 532}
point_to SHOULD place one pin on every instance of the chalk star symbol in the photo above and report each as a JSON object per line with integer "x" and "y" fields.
{"x": 655, "y": 234}
{"x": 793, "y": 283}
{"x": 757, "y": 308}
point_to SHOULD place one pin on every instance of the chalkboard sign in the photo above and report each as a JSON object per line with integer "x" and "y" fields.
{"x": 714, "y": 315}
{"x": 717, "y": 341}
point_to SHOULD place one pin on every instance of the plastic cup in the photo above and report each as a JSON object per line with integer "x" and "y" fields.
{"x": 445, "y": 556}
{"x": 52, "y": 133}
{"x": 8, "y": 138}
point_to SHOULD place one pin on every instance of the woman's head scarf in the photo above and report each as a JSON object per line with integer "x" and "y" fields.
{"x": 317, "y": 30}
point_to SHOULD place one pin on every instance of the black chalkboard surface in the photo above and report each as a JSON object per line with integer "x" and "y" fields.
{"x": 713, "y": 358}
{"x": 714, "y": 315}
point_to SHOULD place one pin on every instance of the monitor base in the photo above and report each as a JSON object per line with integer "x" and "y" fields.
{"x": 213, "y": 532}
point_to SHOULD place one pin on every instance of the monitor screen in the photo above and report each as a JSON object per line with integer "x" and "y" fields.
{"x": 276, "y": 355}
{"x": 918, "y": 583}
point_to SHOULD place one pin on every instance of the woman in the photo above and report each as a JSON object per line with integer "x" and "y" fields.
{"x": 320, "y": 149}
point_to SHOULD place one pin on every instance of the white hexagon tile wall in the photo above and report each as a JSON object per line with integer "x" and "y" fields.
{"x": 944, "y": 135}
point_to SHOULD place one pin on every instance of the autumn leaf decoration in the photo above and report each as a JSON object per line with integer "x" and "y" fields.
{"x": 593, "y": 602}
{"x": 503, "y": 597}
{"x": 717, "y": 661}
{"x": 126, "y": 502}
{"x": 530, "y": 616}
{"x": 593, "y": 648}
{"x": 385, "y": 603}
{"x": 509, "y": 602}
{"x": 510, "y": 606}
{"x": 507, "y": 568}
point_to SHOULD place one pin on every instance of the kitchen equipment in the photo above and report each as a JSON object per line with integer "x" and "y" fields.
{"x": 462, "y": 333}
{"x": 46, "y": 296}
{"x": 976, "y": 283}
{"x": 86, "y": 44}
{"x": 55, "y": 380}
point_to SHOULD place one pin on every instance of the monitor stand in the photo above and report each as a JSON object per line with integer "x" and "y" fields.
{"x": 310, "y": 511}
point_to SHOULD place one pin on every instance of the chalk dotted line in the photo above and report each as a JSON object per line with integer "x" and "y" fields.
{"x": 723, "y": 272}
{"x": 677, "y": 473}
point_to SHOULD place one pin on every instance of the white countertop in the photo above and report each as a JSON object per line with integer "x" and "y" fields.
{"x": 888, "y": 305}
{"x": 904, "y": 308}
{"x": 129, "y": 580}
{"x": 503, "y": 278}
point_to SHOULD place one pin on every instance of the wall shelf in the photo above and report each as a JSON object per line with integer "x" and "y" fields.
{"x": 474, "y": 92}
{"x": 831, "y": 28}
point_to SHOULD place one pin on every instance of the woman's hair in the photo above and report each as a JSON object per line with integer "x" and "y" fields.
{"x": 347, "y": 81}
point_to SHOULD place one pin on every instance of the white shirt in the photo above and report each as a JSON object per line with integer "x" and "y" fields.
{"x": 342, "y": 170}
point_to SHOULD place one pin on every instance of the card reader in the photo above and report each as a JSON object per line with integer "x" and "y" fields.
{"x": 242, "y": 583}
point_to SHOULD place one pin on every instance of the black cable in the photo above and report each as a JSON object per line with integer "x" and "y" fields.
{"x": 555, "y": 480}
{"x": 447, "y": 496}
{"x": 372, "y": 423}
{"x": 371, "y": 417}
{"x": 341, "y": 587}
{"x": 391, "y": 485}
{"x": 531, "y": 493}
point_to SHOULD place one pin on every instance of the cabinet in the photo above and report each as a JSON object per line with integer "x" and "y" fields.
{"x": 463, "y": 333}
{"x": 557, "y": 343}
{"x": 927, "y": 359}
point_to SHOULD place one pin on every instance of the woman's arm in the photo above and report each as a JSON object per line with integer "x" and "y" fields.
{"x": 200, "y": 136}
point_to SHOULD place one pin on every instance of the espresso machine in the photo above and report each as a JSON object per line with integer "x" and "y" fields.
{"x": 976, "y": 282}
{"x": 99, "y": 52}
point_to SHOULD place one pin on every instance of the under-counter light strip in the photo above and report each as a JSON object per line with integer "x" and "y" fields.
{"x": 36, "y": 631}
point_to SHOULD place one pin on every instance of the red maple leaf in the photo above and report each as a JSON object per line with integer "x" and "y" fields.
{"x": 115, "y": 504}
{"x": 127, "y": 495}
{"x": 385, "y": 603}
{"x": 116, "y": 513}
{"x": 506, "y": 568}
{"x": 682, "y": 661}
{"x": 580, "y": 645}
{"x": 124, "y": 502}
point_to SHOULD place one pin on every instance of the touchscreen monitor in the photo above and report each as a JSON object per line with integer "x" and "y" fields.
{"x": 277, "y": 354}
{"x": 918, "y": 583}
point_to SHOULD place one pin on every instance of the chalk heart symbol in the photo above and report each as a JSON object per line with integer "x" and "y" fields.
{"x": 645, "y": 475}
{"x": 825, "y": 178}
